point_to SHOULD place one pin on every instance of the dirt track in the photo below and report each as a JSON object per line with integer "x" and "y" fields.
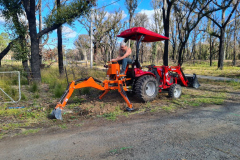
{"x": 203, "y": 133}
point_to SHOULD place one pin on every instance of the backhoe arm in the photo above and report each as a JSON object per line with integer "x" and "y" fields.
{"x": 90, "y": 82}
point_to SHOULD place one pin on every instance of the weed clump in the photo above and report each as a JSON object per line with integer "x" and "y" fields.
{"x": 23, "y": 97}
{"x": 11, "y": 91}
{"x": 34, "y": 87}
{"x": 58, "y": 90}
{"x": 85, "y": 91}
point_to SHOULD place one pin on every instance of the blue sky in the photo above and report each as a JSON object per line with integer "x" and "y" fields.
{"x": 70, "y": 33}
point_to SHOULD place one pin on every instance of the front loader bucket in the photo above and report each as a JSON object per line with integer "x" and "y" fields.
{"x": 57, "y": 113}
{"x": 193, "y": 81}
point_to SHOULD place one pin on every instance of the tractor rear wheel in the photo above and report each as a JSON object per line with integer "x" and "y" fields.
{"x": 175, "y": 91}
{"x": 146, "y": 88}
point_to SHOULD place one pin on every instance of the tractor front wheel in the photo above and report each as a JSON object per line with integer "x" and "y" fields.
{"x": 175, "y": 91}
{"x": 146, "y": 88}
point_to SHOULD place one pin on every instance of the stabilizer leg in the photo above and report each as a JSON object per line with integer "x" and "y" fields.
{"x": 124, "y": 95}
{"x": 101, "y": 96}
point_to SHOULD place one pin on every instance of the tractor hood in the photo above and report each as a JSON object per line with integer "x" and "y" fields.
{"x": 136, "y": 32}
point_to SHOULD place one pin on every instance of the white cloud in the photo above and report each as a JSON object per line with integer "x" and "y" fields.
{"x": 124, "y": 15}
{"x": 68, "y": 32}
{"x": 150, "y": 14}
{"x": 2, "y": 20}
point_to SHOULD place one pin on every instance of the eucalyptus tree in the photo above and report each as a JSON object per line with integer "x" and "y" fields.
{"x": 82, "y": 44}
{"x": 67, "y": 13}
{"x": 104, "y": 24}
{"x": 222, "y": 24}
{"x": 12, "y": 11}
{"x": 157, "y": 27}
{"x": 131, "y": 6}
{"x": 189, "y": 14}
{"x": 166, "y": 6}
{"x": 236, "y": 27}
{"x": 4, "y": 40}
{"x": 141, "y": 20}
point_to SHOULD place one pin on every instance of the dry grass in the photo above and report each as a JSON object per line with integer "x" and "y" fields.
{"x": 201, "y": 67}
{"x": 39, "y": 101}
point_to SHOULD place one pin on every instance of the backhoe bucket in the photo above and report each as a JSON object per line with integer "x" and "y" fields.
{"x": 57, "y": 113}
{"x": 193, "y": 81}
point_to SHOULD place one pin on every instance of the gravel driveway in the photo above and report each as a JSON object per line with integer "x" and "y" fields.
{"x": 211, "y": 132}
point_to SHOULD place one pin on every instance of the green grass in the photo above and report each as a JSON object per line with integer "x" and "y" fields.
{"x": 114, "y": 151}
{"x": 148, "y": 105}
{"x": 30, "y": 131}
{"x": 203, "y": 68}
{"x": 79, "y": 125}
{"x": 112, "y": 115}
{"x": 85, "y": 91}
{"x": 34, "y": 88}
{"x": 168, "y": 108}
{"x": 24, "y": 113}
{"x": 11, "y": 90}
{"x": 57, "y": 84}
{"x": 23, "y": 96}
{"x": 63, "y": 126}
{"x": 77, "y": 99}
{"x": 58, "y": 90}
{"x": 11, "y": 126}
{"x": 36, "y": 96}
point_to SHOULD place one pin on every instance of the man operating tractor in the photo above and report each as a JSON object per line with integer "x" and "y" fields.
{"x": 124, "y": 53}
{"x": 145, "y": 84}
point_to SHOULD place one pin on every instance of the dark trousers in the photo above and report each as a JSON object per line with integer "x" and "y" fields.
{"x": 124, "y": 63}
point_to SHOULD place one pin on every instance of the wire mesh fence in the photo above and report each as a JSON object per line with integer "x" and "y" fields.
{"x": 10, "y": 87}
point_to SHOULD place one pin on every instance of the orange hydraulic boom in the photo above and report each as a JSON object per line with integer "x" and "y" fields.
{"x": 115, "y": 82}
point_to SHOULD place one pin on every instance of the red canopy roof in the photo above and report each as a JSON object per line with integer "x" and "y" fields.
{"x": 136, "y": 32}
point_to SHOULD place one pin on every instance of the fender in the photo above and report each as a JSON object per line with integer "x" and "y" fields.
{"x": 139, "y": 73}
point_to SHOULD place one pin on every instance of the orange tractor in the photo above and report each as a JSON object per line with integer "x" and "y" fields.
{"x": 144, "y": 84}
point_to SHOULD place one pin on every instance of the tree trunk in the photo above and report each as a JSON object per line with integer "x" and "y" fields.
{"x": 26, "y": 69}
{"x": 40, "y": 28}
{"x": 166, "y": 20}
{"x": 60, "y": 52}
{"x": 200, "y": 47}
{"x": 180, "y": 54}
{"x": 194, "y": 51}
{"x": 211, "y": 54}
{"x": 35, "y": 64}
{"x": 226, "y": 53}
{"x": 130, "y": 25}
{"x": 221, "y": 49}
{"x": 6, "y": 50}
{"x": 173, "y": 53}
{"x": 235, "y": 39}
{"x": 188, "y": 54}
